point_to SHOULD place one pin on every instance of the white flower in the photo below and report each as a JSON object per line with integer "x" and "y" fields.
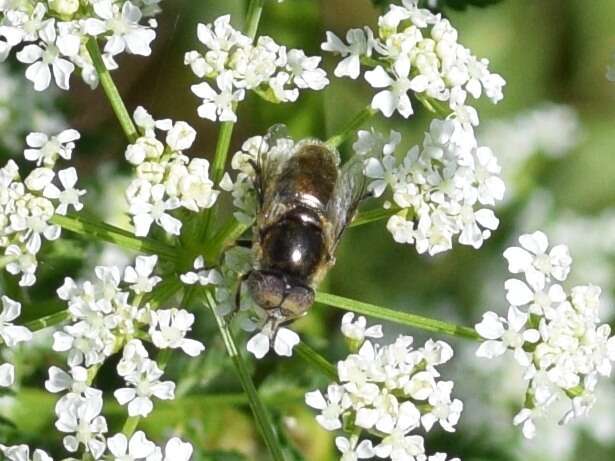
{"x": 542, "y": 299}
{"x": 12, "y": 334}
{"x": 81, "y": 418}
{"x": 21, "y": 262}
{"x": 281, "y": 93}
{"x": 146, "y": 384}
{"x": 47, "y": 58}
{"x": 46, "y": 150}
{"x": 181, "y": 136}
{"x": 33, "y": 220}
{"x": 284, "y": 341}
{"x": 138, "y": 447}
{"x": 148, "y": 125}
{"x": 499, "y": 338}
{"x": 218, "y": 106}
{"x": 331, "y": 408}
{"x": 221, "y": 36}
{"x": 39, "y": 178}
{"x": 373, "y": 143}
{"x": 353, "y": 450}
{"x": 397, "y": 444}
{"x": 144, "y": 213}
{"x": 11, "y": 36}
{"x": 168, "y": 330}
{"x": 22, "y": 453}
{"x": 140, "y": 276}
{"x": 7, "y": 375}
{"x": 490, "y": 185}
{"x": 126, "y": 32}
{"x": 175, "y": 450}
{"x": 75, "y": 382}
{"x": 444, "y": 410}
{"x": 356, "y": 329}
{"x": 133, "y": 356}
{"x": 201, "y": 275}
{"x": 67, "y": 197}
{"x": 524, "y": 418}
{"x": 360, "y": 43}
{"x": 396, "y": 98}
{"x": 382, "y": 172}
{"x": 304, "y": 70}
{"x": 532, "y": 258}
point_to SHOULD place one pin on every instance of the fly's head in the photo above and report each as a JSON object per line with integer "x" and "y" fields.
{"x": 275, "y": 291}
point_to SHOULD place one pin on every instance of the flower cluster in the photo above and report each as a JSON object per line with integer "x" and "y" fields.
{"x": 104, "y": 317}
{"x": 11, "y": 336}
{"x": 237, "y": 64}
{"x": 27, "y": 206}
{"x": 440, "y": 187}
{"x": 415, "y": 50}
{"x": 138, "y": 447}
{"x": 166, "y": 179}
{"x": 52, "y": 35}
{"x": 555, "y": 336}
{"x": 389, "y": 392}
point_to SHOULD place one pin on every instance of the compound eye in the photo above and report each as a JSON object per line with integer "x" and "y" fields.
{"x": 298, "y": 300}
{"x": 267, "y": 290}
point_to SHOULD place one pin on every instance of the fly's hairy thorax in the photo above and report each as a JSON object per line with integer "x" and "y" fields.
{"x": 308, "y": 179}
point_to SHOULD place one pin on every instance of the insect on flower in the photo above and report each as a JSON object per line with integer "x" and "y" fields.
{"x": 305, "y": 201}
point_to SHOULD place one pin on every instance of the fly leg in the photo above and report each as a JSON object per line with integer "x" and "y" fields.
{"x": 242, "y": 279}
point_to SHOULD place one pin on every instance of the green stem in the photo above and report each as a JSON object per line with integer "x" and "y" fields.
{"x": 217, "y": 171}
{"x": 366, "y": 217}
{"x": 253, "y": 17}
{"x": 225, "y": 237}
{"x": 404, "y": 318}
{"x": 48, "y": 321}
{"x": 130, "y": 425}
{"x": 359, "y": 119}
{"x": 222, "y": 148}
{"x": 263, "y": 419}
{"x": 435, "y": 106}
{"x": 115, "y": 235}
{"x": 111, "y": 91}
{"x": 316, "y": 360}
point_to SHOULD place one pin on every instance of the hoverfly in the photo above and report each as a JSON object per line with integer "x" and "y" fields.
{"x": 305, "y": 201}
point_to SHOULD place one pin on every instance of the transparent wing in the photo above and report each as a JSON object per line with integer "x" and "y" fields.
{"x": 268, "y": 165}
{"x": 276, "y": 148}
{"x": 350, "y": 189}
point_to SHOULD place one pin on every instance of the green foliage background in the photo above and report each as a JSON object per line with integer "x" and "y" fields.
{"x": 553, "y": 50}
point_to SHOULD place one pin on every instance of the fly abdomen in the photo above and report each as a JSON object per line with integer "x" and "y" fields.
{"x": 294, "y": 245}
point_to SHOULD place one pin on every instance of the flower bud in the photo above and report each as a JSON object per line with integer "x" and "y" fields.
{"x": 64, "y": 7}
